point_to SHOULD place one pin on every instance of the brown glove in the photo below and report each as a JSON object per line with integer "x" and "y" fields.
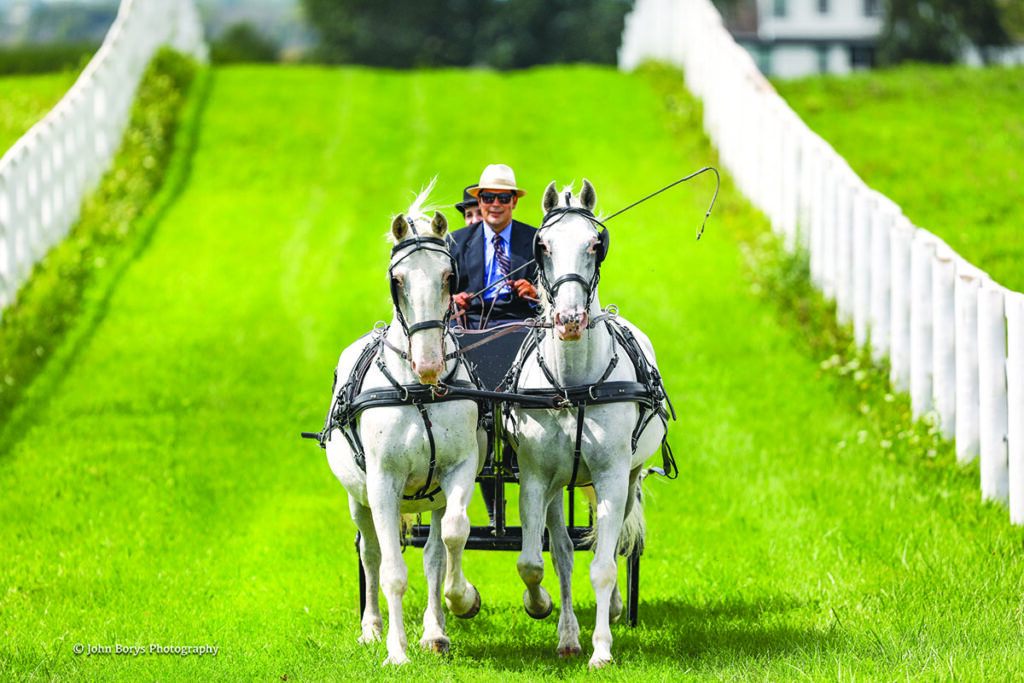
{"x": 462, "y": 300}
{"x": 525, "y": 289}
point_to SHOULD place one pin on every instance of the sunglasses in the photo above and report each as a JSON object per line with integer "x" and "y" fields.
{"x": 489, "y": 197}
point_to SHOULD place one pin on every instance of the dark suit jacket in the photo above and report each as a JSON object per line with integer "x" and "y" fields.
{"x": 468, "y": 250}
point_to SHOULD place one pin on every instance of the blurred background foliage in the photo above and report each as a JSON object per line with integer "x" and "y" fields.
{"x": 505, "y": 34}
{"x": 502, "y": 34}
{"x": 937, "y": 31}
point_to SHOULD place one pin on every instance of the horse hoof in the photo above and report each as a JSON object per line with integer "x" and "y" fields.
{"x": 474, "y": 610}
{"x": 599, "y": 662}
{"x": 396, "y": 660}
{"x": 439, "y": 646}
{"x": 546, "y": 614}
{"x": 569, "y": 652}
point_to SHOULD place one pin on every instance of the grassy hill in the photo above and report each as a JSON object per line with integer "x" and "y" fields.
{"x": 24, "y": 100}
{"x": 943, "y": 143}
{"x": 156, "y": 490}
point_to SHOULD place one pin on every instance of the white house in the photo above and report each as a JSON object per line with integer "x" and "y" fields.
{"x": 791, "y": 38}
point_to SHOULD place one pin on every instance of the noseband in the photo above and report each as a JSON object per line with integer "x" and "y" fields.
{"x": 407, "y": 248}
{"x": 551, "y": 218}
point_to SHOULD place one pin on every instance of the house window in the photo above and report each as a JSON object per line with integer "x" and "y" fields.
{"x": 872, "y": 8}
{"x": 862, "y": 56}
{"x": 823, "y": 59}
{"x": 779, "y": 8}
{"x": 823, "y": 6}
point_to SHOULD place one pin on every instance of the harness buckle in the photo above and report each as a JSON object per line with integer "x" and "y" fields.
{"x": 436, "y": 390}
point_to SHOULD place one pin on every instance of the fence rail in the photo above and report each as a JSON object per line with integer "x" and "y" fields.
{"x": 45, "y": 175}
{"x": 953, "y": 336}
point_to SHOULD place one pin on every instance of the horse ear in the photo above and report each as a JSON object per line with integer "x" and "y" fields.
{"x": 399, "y": 228}
{"x": 550, "y": 200}
{"x": 588, "y": 197}
{"x": 440, "y": 224}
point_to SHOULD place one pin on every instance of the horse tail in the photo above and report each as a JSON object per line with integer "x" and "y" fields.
{"x": 406, "y": 522}
{"x": 634, "y": 526}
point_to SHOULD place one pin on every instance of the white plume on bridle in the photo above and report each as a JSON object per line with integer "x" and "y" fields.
{"x": 420, "y": 210}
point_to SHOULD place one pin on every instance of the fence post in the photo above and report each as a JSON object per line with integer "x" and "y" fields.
{"x": 944, "y": 331}
{"x": 8, "y": 267}
{"x": 790, "y": 178}
{"x": 816, "y": 238}
{"x": 829, "y": 231}
{"x": 901, "y": 237}
{"x": 992, "y": 392}
{"x": 861, "y": 227}
{"x": 922, "y": 253}
{"x": 844, "y": 243}
{"x": 966, "y": 288}
{"x": 883, "y": 216}
{"x": 1015, "y": 403}
{"x": 16, "y": 210}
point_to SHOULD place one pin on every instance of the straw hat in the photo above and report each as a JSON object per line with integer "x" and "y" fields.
{"x": 497, "y": 177}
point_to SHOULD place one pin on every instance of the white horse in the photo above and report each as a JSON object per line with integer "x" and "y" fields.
{"x": 600, "y": 439}
{"x": 398, "y": 449}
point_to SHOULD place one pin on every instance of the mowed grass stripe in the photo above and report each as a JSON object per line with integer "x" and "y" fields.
{"x": 160, "y": 494}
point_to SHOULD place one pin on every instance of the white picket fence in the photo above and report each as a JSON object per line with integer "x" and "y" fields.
{"x": 47, "y": 173}
{"x": 954, "y": 337}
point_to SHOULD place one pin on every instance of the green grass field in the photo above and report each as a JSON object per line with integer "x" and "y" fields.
{"x": 24, "y": 100}
{"x": 156, "y": 490}
{"x": 943, "y": 143}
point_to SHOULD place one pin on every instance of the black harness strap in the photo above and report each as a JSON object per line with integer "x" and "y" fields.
{"x": 577, "y": 451}
{"x": 425, "y": 492}
{"x": 352, "y": 400}
{"x": 648, "y": 392}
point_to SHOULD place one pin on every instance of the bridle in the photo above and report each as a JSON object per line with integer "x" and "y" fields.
{"x": 551, "y": 218}
{"x": 404, "y": 250}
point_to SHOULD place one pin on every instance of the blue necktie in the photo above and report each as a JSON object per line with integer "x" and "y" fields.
{"x": 504, "y": 265}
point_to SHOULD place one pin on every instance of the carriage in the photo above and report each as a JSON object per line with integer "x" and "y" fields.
{"x": 492, "y": 352}
{"x": 433, "y": 425}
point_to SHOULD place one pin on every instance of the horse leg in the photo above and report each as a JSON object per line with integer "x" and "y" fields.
{"x": 433, "y": 567}
{"x": 611, "y": 491}
{"x": 615, "y": 609}
{"x": 531, "y": 560}
{"x": 384, "y": 493}
{"x": 562, "y": 559}
{"x": 462, "y": 597}
{"x": 369, "y": 554}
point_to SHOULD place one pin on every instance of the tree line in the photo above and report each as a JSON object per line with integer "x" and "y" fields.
{"x": 504, "y": 34}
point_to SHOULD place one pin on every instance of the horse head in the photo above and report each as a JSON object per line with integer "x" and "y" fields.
{"x": 569, "y": 249}
{"x": 422, "y": 275}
